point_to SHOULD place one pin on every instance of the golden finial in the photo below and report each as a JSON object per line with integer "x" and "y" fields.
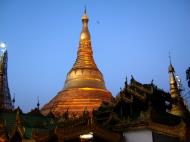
{"x": 85, "y": 17}
{"x": 85, "y": 10}
{"x": 85, "y": 35}
{"x": 171, "y": 69}
{"x": 170, "y": 57}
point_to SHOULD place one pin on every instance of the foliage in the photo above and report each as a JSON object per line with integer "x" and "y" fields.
{"x": 188, "y": 76}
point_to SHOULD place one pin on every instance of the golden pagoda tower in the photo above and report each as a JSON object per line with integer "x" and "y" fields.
{"x": 177, "y": 100}
{"x": 84, "y": 87}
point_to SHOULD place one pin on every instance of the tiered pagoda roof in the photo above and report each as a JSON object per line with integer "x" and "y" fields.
{"x": 143, "y": 106}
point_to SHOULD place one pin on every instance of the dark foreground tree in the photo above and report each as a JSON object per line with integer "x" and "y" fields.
{"x": 188, "y": 76}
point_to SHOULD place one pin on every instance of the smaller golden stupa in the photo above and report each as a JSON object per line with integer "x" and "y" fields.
{"x": 84, "y": 87}
{"x": 178, "y": 107}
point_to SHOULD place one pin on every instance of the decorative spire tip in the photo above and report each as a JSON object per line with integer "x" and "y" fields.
{"x": 170, "y": 57}
{"x": 171, "y": 68}
{"x": 38, "y": 102}
{"x": 85, "y": 10}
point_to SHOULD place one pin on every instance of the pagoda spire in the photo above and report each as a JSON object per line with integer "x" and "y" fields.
{"x": 88, "y": 73}
{"x": 5, "y": 96}
{"x": 85, "y": 54}
{"x": 177, "y": 101}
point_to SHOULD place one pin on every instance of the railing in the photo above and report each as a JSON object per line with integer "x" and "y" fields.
{"x": 72, "y": 133}
{"x": 96, "y": 129}
{"x": 76, "y": 129}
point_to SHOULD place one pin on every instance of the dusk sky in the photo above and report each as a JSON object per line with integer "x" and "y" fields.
{"x": 129, "y": 37}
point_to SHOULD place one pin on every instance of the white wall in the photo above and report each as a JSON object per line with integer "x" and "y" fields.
{"x": 138, "y": 136}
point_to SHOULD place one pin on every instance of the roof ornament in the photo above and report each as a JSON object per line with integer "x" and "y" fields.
{"x": 152, "y": 81}
{"x": 38, "y": 103}
{"x": 85, "y": 17}
{"x": 171, "y": 68}
{"x": 85, "y": 9}
{"x": 13, "y": 101}
{"x": 126, "y": 82}
{"x": 132, "y": 78}
{"x": 170, "y": 57}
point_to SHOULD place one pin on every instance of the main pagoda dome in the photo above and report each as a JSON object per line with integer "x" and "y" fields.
{"x": 84, "y": 87}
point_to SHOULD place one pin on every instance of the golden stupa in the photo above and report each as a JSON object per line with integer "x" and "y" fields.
{"x": 84, "y": 87}
{"x": 178, "y": 107}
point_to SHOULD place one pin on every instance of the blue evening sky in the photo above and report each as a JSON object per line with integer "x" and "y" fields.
{"x": 129, "y": 37}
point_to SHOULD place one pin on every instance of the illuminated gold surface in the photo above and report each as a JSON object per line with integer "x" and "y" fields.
{"x": 84, "y": 87}
{"x": 76, "y": 100}
{"x": 84, "y": 72}
{"x": 177, "y": 105}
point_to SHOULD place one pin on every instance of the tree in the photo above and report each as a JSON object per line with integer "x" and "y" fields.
{"x": 188, "y": 76}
